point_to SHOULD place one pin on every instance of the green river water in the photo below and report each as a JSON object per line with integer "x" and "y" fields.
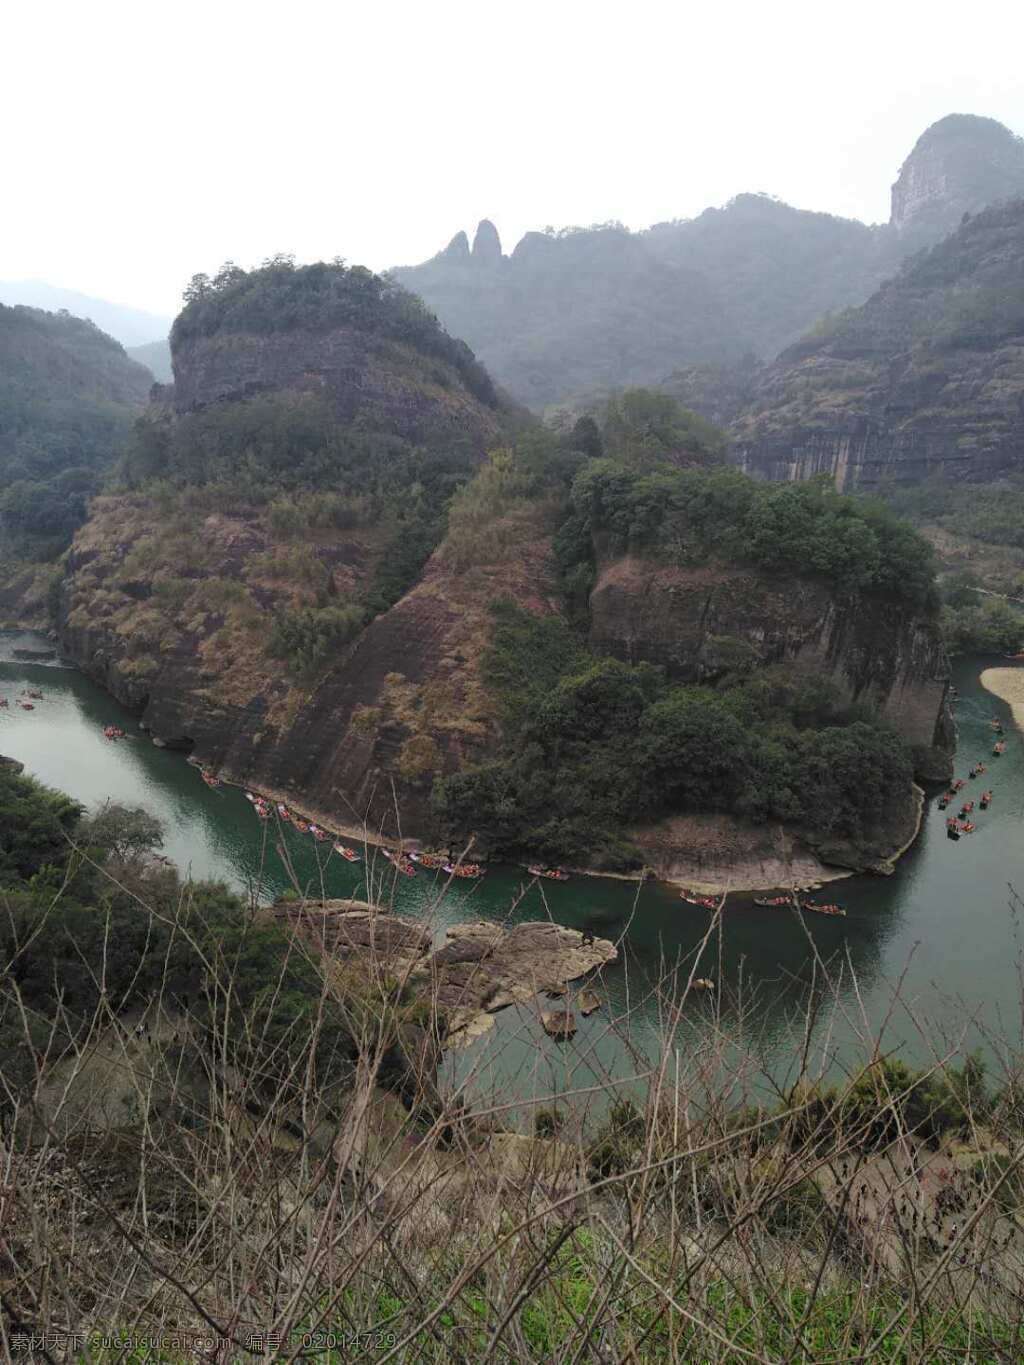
{"x": 943, "y": 923}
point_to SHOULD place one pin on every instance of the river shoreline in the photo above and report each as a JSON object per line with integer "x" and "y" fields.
{"x": 1008, "y": 685}
{"x": 907, "y": 929}
{"x": 809, "y": 874}
{"x": 747, "y": 871}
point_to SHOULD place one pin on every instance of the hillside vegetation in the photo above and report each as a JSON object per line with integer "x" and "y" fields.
{"x": 270, "y": 522}
{"x": 924, "y": 381}
{"x": 591, "y": 310}
{"x": 68, "y": 396}
{"x": 156, "y": 356}
{"x": 216, "y": 1129}
{"x": 591, "y": 745}
{"x": 280, "y": 297}
{"x": 576, "y": 314}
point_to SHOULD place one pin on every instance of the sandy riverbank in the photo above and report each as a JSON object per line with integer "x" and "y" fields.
{"x": 1008, "y": 685}
{"x": 712, "y": 854}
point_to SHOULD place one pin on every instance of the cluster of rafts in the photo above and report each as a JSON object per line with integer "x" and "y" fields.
{"x": 961, "y": 823}
{"x": 794, "y": 900}
{"x": 402, "y": 860}
{"x": 26, "y": 700}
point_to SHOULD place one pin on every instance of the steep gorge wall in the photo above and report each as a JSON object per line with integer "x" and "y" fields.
{"x": 405, "y": 701}
{"x": 693, "y": 621}
{"x": 925, "y": 380}
{"x": 400, "y": 704}
{"x": 871, "y": 424}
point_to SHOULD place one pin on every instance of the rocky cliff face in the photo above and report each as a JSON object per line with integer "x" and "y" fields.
{"x": 926, "y": 379}
{"x": 170, "y": 601}
{"x": 170, "y": 598}
{"x": 400, "y": 704}
{"x": 486, "y": 244}
{"x": 405, "y": 702}
{"x": 959, "y": 165}
{"x": 696, "y": 621}
{"x": 386, "y": 387}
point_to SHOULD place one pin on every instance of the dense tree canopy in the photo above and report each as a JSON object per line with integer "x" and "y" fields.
{"x": 72, "y": 938}
{"x": 593, "y": 746}
{"x": 688, "y": 515}
{"x": 281, "y": 296}
{"x": 67, "y": 397}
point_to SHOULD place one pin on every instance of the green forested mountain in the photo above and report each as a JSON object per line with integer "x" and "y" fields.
{"x": 68, "y": 393}
{"x": 585, "y": 311}
{"x": 925, "y": 379}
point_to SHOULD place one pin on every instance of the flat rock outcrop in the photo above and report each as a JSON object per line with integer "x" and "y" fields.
{"x": 481, "y": 967}
{"x": 485, "y": 967}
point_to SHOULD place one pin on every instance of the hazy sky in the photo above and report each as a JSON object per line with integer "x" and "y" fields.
{"x": 145, "y": 142}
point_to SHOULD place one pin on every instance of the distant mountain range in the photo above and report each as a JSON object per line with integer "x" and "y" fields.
{"x": 584, "y": 311}
{"x": 130, "y": 326}
{"x": 156, "y": 356}
{"x": 68, "y": 398}
{"x": 571, "y": 316}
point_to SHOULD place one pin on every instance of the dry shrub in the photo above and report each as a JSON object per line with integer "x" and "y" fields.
{"x": 695, "y": 1205}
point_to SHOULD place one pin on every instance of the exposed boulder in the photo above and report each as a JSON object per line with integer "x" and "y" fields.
{"x": 559, "y": 1023}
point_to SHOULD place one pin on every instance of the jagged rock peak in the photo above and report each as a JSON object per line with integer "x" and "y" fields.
{"x": 486, "y": 243}
{"x": 456, "y": 250}
{"x": 957, "y": 166}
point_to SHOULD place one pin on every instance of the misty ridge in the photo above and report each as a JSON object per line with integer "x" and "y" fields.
{"x": 571, "y": 315}
{"x": 574, "y": 314}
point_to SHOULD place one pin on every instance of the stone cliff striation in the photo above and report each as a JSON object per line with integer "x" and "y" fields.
{"x": 926, "y": 379}
{"x": 400, "y": 704}
{"x": 405, "y": 701}
{"x": 959, "y": 165}
{"x": 697, "y": 622}
{"x": 381, "y": 386}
